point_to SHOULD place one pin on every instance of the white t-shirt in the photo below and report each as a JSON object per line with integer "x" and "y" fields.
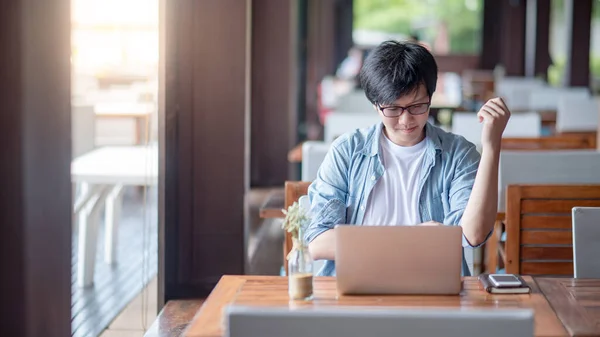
{"x": 395, "y": 198}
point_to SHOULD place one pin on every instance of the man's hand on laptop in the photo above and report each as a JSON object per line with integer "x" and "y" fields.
{"x": 431, "y": 223}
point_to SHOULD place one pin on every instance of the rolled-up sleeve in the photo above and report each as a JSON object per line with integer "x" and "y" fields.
{"x": 465, "y": 171}
{"x": 329, "y": 191}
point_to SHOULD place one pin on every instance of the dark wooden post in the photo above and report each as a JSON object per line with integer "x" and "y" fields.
{"x": 35, "y": 157}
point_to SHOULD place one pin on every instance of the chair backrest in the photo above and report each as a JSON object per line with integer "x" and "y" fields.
{"x": 586, "y": 242}
{"x": 338, "y": 123}
{"x": 546, "y": 167}
{"x": 354, "y": 102}
{"x": 539, "y": 227}
{"x": 575, "y": 114}
{"x": 313, "y": 153}
{"x": 523, "y": 124}
{"x": 83, "y": 129}
{"x": 293, "y": 191}
{"x": 546, "y": 98}
{"x": 516, "y": 91}
{"x": 370, "y": 321}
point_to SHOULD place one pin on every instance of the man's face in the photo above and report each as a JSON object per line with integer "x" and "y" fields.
{"x": 402, "y": 127}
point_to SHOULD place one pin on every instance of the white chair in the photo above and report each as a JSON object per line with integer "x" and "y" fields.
{"x": 354, "y": 102}
{"x": 339, "y": 123}
{"x": 520, "y": 125}
{"x": 546, "y": 167}
{"x": 369, "y": 321}
{"x": 546, "y": 98}
{"x": 586, "y": 242}
{"x": 576, "y": 114}
{"x": 313, "y": 154}
{"x": 516, "y": 90}
{"x": 105, "y": 172}
{"x": 83, "y": 129}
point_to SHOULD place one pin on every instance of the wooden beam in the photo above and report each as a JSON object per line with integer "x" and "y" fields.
{"x": 320, "y": 59}
{"x": 578, "y": 25}
{"x": 512, "y": 41}
{"x": 274, "y": 118}
{"x": 35, "y": 198}
{"x": 491, "y": 35}
{"x": 207, "y": 107}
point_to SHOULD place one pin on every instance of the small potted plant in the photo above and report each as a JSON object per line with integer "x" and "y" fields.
{"x": 300, "y": 273}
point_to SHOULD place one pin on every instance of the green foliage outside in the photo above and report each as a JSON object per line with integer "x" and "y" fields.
{"x": 463, "y": 19}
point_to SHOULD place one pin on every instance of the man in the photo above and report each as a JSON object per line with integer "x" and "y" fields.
{"x": 405, "y": 171}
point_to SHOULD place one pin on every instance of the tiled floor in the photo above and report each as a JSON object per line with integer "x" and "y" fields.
{"x": 130, "y": 322}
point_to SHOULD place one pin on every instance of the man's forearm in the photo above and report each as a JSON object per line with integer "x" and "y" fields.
{"x": 323, "y": 246}
{"x": 480, "y": 213}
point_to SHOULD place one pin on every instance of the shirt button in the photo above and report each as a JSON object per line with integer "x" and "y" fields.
{"x": 373, "y": 178}
{"x": 362, "y": 208}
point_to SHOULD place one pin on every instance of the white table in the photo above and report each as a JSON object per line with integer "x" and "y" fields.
{"x": 102, "y": 175}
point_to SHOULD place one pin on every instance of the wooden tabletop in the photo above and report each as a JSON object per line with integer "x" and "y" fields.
{"x": 174, "y": 318}
{"x": 273, "y": 205}
{"x": 576, "y": 302}
{"x": 295, "y": 154}
{"x": 272, "y": 291}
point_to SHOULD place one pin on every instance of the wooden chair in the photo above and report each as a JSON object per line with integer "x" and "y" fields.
{"x": 293, "y": 191}
{"x": 558, "y": 142}
{"x": 539, "y": 228}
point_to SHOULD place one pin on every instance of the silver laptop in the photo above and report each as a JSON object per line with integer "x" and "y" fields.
{"x": 398, "y": 259}
{"x": 586, "y": 239}
{"x": 380, "y": 322}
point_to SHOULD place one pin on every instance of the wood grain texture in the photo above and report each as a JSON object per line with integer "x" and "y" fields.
{"x": 539, "y": 226}
{"x": 207, "y": 115}
{"x": 562, "y": 191}
{"x": 35, "y": 198}
{"x": 208, "y": 321}
{"x": 513, "y": 231}
{"x": 274, "y": 94}
{"x": 576, "y": 302}
{"x": 548, "y": 253}
{"x": 557, "y": 142}
{"x": 546, "y": 237}
{"x": 273, "y": 291}
{"x": 174, "y": 318}
{"x": 549, "y": 222}
{"x": 546, "y": 268}
{"x": 556, "y": 206}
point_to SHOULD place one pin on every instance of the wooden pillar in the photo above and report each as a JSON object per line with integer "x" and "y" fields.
{"x": 504, "y": 35}
{"x": 512, "y": 45}
{"x": 492, "y": 32}
{"x": 542, "y": 42}
{"x": 207, "y": 114}
{"x": 274, "y": 117}
{"x": 320, "y": 56}
{"x": 35, "y": 197}
{"x": 537, "y": 54}
{"x": 578, "y": 17}
{"x": 343, "y": 29}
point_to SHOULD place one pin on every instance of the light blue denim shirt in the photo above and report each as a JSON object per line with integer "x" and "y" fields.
{"x": 353, "y": 166}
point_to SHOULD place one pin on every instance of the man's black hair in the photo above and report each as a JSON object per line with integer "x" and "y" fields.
{"x": 395, "y": 69}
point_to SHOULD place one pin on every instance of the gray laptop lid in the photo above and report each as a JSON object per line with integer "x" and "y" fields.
{"x": 586, "y": 242}
{"x": 370, "y": 321}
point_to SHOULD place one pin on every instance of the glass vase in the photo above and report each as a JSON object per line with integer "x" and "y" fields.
{"x": 300, "y": 274}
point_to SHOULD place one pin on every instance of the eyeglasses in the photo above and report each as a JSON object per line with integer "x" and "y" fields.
{"x": 396, "y": 111}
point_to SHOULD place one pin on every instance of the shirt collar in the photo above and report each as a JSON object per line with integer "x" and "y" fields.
{"x": 372, "y": 143}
